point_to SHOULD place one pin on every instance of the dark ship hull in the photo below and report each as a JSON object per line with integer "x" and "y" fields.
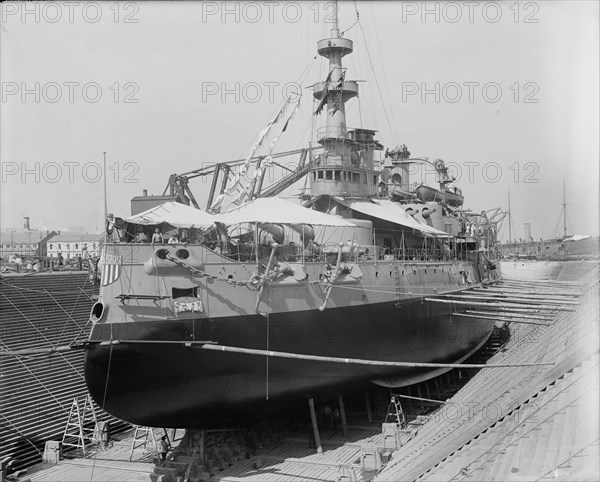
{"x": 171, "y": 385}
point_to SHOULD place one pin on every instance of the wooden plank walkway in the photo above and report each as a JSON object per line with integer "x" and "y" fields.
{"x": 103, "y": 465}
{"x": 290, "y": 459}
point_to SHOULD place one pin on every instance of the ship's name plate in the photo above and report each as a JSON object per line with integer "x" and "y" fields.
{"x": 193, "y": 306}
{"x": 112, "y": 259}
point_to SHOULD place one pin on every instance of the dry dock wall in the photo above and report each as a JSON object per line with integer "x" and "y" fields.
{"x": 36, "y": 392}
{"x": 520, "y": 423}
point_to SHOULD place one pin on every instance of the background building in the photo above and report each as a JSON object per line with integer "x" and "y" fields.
{"x": 27, "y": 245}
{"x": 71, "y": 245}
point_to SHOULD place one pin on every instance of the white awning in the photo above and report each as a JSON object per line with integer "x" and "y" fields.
{"x": 578, "y": 237}
{"x": 176, "y": 214}
{"x": 392, "y": 212}
{"x": 278, "y": 211}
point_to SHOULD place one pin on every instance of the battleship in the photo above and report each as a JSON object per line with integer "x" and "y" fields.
{"x": 256, "y": 301}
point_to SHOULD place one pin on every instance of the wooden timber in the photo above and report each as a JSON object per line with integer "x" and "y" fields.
{"x": 500, "y": 305}
{"x": 508, "y": 314}
{"x": 497, "y": 318}
{"x": 520, "y": 299}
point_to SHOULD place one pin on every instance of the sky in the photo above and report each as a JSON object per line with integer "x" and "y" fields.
{"x": 505, "y": 93}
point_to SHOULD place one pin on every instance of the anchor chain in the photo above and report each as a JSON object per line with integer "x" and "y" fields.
{"x": 251, "y": 284}
{"x": 331, "y": 277}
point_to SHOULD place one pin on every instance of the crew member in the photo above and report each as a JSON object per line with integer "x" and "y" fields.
{"x": 157, "y": 237}
{"x": 163, "y": 447}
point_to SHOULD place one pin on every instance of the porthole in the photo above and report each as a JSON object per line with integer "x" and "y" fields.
{"x": 97, "y": 311}
{"x": 182, "y": 253}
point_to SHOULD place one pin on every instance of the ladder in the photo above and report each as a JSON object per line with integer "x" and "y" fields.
{"x": 395, "y": 411}
{"x": 81, "y": 424}
{"x": 142, "y": 436}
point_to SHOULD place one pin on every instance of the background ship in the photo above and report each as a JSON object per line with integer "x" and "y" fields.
{"x": 544, "y": 259}
{"x": 267, "y": 301}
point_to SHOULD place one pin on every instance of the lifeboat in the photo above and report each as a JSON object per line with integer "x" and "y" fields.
{"x": 452, "y": 196}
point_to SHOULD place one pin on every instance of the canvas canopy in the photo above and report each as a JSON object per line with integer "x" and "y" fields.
{"x": 175, "y": 214}
{"x": 278, "y": 211}
{"x": 394, "y": 213}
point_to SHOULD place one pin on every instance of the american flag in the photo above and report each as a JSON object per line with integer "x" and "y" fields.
{"x": 111, "y": 269}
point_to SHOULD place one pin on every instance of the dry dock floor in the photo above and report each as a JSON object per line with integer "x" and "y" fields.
{"x": 288, "y": 459}
{"x": 110, "y": 464}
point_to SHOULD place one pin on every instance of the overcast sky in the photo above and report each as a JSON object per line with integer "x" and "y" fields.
{"x": 505, "y": 92}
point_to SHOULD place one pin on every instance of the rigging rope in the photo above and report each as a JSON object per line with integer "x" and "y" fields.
{"x": 355, "y": 22}
{"x": 377, "y": 83}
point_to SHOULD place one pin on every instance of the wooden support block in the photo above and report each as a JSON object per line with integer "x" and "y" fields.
{"x": 390, "y": 435}
{"x": 52, "y": 451}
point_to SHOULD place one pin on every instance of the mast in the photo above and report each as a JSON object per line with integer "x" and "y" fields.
{"x": 509, "y": 220}
{"x": 346, "y": 167}
{"x": 336, "y": 90}
{"x": 564, "y": 210}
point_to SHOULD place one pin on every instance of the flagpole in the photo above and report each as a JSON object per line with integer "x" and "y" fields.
{"x": 105, "y": 200}
{"x": 105, "y": 223}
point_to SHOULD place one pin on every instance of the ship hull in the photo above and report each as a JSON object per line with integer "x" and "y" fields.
{"x": 531, "y": 270}
{"x": 171, "y": 385}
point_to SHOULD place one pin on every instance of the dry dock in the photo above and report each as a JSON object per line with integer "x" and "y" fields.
{"x": 537, "y": 422}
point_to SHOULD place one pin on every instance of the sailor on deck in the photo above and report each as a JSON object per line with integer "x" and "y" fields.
{"x": 157, "y": 237}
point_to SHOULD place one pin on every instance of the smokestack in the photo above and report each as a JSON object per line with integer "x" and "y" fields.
{"x": 26, "y": 223}
{"x": 145, "y": 191}
{"x": 528, "y": 232}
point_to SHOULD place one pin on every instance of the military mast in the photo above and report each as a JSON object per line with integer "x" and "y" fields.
{"x": 346, "y": 167}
